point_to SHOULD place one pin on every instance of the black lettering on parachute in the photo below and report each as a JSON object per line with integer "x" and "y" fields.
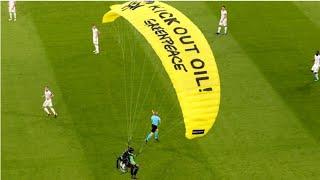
{"x": 169, "y": 46}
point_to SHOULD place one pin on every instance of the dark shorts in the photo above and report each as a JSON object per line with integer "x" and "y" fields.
{"x": 154, "y": 128}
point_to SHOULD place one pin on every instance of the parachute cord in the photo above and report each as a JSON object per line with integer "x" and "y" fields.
{"x": 174, "y": 106}
{"x": 141, "y": 149}
{"x": 167, "y": 114}
{"x": 164, "y": 96}
{"x": 156, "y": 70}
{"x": 172, "y": 127}
{"x": 147, "y": 93}
{"x": 143, "y": 142}
{"x": 139, "y": 90}
{"x": 168, "y": 93}
{"x": 122, "y": 46}
{"x": 129, "y": 73}
{"x": 155, "y": 104}
{"x": 133, "y": 67}
{"x": 132, "y": 107}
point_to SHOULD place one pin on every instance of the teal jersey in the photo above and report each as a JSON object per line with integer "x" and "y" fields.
{"x": 155, "y": 120}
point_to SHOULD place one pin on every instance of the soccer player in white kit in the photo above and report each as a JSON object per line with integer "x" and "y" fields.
{"x": 48, "y": 102}
{"x": 316, "y": 65}
{"x": 12, "y": 10}
{"x": 95, "y": 39}
{"x": 223, "y": 20}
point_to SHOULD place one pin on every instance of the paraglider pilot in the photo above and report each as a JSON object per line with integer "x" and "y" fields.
{"x": 132, "y": 164}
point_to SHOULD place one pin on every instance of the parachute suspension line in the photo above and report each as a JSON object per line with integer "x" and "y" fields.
{"x": 172, "y": 127}
{"x": 142, "y": 145}
{"x": 169, "y": 113}
{"x": 129, "y": 70}
{"x": 162, "y": 98}
{"x": 127, "y": 49}
{"x": 132, "y": 61}
{"x": 148, "y": 90}
{"x": 122, "y": 46}
{"x": 169, "y": 92}
{"x": 165, "y": 96}
{"x": 178, "y": 119}
{"x": 173, "y": 106}
{"x": 175, "y": 122}
{"x": 135, "y": 122}
{"x": 156, "y": 71}
{"x": 131, "y": 109}
{"x": 130, "y": 57}
{"x": 132, "y": 119}
{"x": 155, "y": 104}
{"x": 139, "y": 89}
{"x": 147, "y": 94}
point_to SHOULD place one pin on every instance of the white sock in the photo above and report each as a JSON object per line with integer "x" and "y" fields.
{"x": 97, "y": 48}
{"x": 10, "y": 14}
{"x": 46, "y": 110}
{"x": 54, "y": 112}
{"x": 219, "y": 29}
{"x": 14, "y": 15}
{"x": 225, "y": 29}
{"x": 316, "y": 76}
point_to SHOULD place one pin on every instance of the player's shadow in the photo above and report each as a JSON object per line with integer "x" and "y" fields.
{"x": 307, "y": 87}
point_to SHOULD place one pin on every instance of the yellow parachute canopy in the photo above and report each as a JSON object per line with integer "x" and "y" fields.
{"x": 185, "y": 55}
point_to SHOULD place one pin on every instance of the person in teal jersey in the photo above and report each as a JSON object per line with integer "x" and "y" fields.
{"x": 155, "y": 121}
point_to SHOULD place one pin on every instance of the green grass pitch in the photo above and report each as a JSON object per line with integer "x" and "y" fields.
{"x": 268, "y": 126}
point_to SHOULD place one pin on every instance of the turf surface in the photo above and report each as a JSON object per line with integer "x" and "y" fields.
{"x": 267, "y": 128}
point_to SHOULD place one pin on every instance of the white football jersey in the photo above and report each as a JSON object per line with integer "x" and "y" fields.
{"x": 48, "y": 94}
{"x": 95, "y": 33}
{"x": 317, "y": 60}
{"x": 11, "y": 3}
{"x": 223, "y": 14}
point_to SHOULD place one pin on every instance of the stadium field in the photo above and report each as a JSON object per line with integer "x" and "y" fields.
{"x": 268, "y": 126}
